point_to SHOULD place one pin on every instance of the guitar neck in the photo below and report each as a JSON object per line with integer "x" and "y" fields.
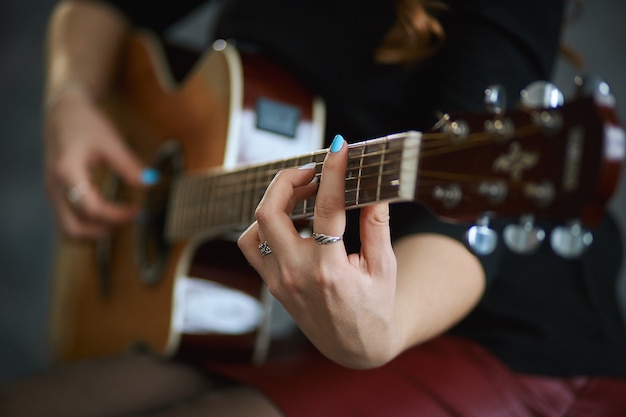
{"x": 383, "y": 169}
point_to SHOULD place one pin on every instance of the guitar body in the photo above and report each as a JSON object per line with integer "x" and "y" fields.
{"x": 125, "y": 291}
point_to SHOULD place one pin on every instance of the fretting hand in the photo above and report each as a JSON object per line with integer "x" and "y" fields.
{"x": 345, "y": 304}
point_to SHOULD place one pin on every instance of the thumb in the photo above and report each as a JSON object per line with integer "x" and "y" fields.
{"x": 129, "y": 167}
{"x": 376, "y": 237}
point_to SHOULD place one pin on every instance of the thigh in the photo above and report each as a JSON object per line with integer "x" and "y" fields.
{"x": 446, "y": 377}
{"x": 233, "y": 401}
{"x": 121, "y": 385}
{"x": 600, "y": 397}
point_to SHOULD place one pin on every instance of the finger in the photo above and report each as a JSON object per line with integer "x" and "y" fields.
{"x": 248, "y": 243}
{"x": 88, "y": 203}
{"x": 302, "y": 193}
{"x": 376, "y": 247}
{"x": 94, "y": 207}
{"x": 74, "y": 227}
{"x": 330, "y": 215}
{"x": 126, "y": 164}
{"x": 71, "y": 224}
{"x": 273, "y": 211}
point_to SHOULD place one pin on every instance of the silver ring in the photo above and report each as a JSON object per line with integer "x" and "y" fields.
{"x": 264, "y": 248}
{"x": 75, "y": 193}
{"x": 323, "y": 239}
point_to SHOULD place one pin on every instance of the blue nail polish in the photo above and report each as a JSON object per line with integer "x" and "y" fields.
{"x": 149, "y": 176}
{"x": 337, "y": 144}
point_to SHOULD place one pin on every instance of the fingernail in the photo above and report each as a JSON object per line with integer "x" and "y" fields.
{"x": 149, "y": 176}
{"x": 310, "y": 165}
{"x": 337, "y": 144}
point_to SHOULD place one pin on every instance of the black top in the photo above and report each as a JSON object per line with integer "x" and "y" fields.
{"x": 540, "y": 313}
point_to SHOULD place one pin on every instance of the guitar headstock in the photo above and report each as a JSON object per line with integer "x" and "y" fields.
{"x": 559, "y": 162}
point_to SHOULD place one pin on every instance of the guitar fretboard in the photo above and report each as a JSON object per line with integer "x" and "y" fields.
{"x": 383, "y": 169}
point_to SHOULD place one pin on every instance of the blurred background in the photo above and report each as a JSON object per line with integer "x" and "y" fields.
{"x": 26, "y": 224}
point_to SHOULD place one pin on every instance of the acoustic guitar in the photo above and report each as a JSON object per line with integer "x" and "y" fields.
{"x": 174, "y": 281}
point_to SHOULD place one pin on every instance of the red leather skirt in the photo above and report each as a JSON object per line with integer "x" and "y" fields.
{"x": 445, "y": 377}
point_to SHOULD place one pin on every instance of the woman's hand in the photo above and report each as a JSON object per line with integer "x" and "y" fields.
{"x": 345, "y": 304}
{"x": 78, "y": 139}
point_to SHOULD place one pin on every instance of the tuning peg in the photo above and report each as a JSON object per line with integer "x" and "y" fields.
{"x": 457, "y": 129}
{"x": 495, "y": 99}
{"x": 495, "y": 104}
{"x": 570, "y": 241}
{"x": 481, "y": 238}
{"x": 542, "y": 95}
{"x": 525, "y": 237}
{"x": 592, "y": 85}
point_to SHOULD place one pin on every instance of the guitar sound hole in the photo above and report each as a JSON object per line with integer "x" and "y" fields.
{"x": 153, "y": 247}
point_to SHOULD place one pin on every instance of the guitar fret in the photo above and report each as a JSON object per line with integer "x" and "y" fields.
{"x": 191, "y": 197}
{"x": 246, "y": 212}
{"x": 197, "y": 200}
{"x": 377, "y": 179}
{"x": 180, "y": 206}
{"x": 359, "y": 174}
{"x": 202, "y": 198}
{"x": 219, "y": 203}
{"x": 188, "y": 204}
{"x": 207, "y": 186}
{"x": 202, "y": 188}
{"x": 187, "y": 193}
{"x": 258, "y": 179}
{"x": 229, "y": 197}
{"x": 235, "y": 188}
{"x": 380, "y": 168}
{"x": 207, "y": 189}
{"x": 192, "y": 201}
{"x": 256, "y": 192}
{"x": 223, "y": 211}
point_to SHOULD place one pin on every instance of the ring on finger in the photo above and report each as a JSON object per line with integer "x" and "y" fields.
{"x": 264, "y": 248}
{"x": 76, "y": 192}
{"x": 323, "y": 239}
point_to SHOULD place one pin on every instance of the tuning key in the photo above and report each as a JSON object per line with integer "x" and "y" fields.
{"x": 593, "y": 85}
{"x": 542, "y": 95}
{"x": 481, "y": 238}
{"x": 525, "y": 237}
{"x": 457, "y": 129}
{"x": 570, "y": 241}
{"x": 495, "y": 99}
{"x": 495, "y": 104}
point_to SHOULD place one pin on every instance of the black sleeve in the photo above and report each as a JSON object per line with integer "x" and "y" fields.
{"x": 158, "y": 15}
{"x": 408, "y": 218}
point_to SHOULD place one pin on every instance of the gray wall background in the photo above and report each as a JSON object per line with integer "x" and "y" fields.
{"x": 26, "y": 228}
